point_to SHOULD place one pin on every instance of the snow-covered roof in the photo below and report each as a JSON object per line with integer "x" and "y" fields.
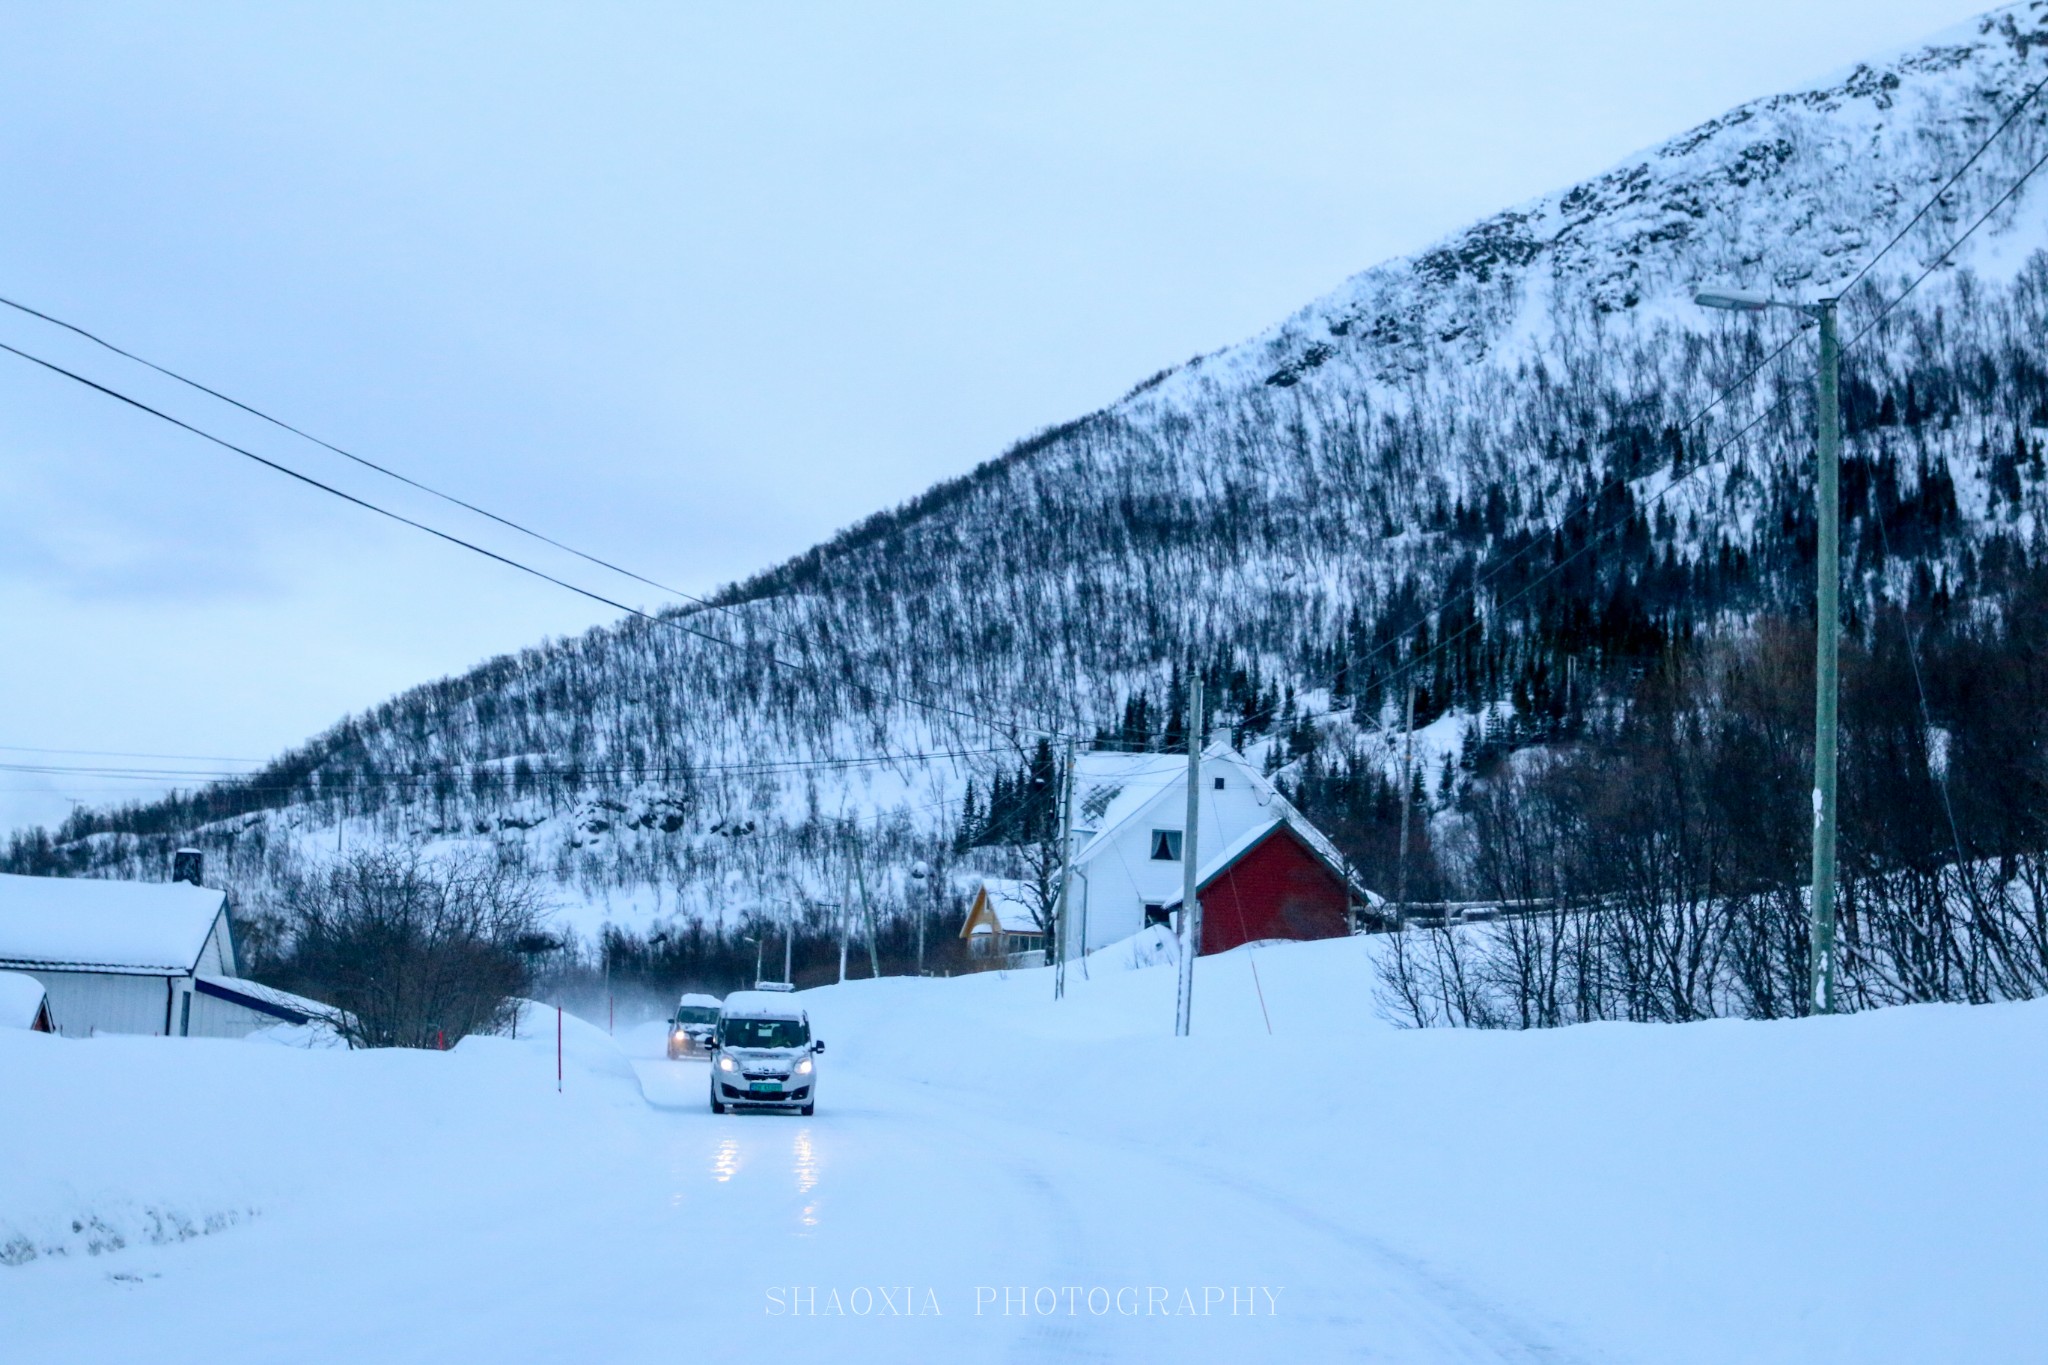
{"x": 254, "y": 995}
{"x": 85, "y": 924}
{"x": 762, "y": 1005}
{"x": 1157, "y": 774}
{"x": 21, "y": 999}
{"x": 1010, "y": 901}
{"x": 698, "y": 998}
{"x": 1111, "y": 787}
{"x": 1283, "y": 815}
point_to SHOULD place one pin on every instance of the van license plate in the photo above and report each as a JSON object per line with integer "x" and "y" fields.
{"x": 766, "y": 1088}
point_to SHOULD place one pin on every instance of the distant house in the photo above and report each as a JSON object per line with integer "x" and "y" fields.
{"x": 24, "y": 1003}
{"x": 135, "y": 957}
{"x": 1001, "y": 921}
{"x": 1266, "y": 872}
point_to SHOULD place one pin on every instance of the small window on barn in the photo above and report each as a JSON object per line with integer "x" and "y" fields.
{"x": 1165, "y": 845}
{"x": 1155, "y": 913}
{"x": 1219, "y": 784}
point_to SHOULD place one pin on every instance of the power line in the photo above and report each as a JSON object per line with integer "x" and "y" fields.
{"x": 1444, "y": 642}
{"x": 411, "y": 482}
{"x": 1949, "y": 251}
{"x": 124, "y": 753}
{"x": 1002, "y": 727}
{"x": 505, "y": 767}
{"x": 385, "y": 470}
{"x": 1948, "y": 185}
{"x": 1494, "y": 571}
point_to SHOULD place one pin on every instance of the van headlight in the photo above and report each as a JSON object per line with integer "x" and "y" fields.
{"x": 725, "y": 1064}
{"x": 803, "y": 1068}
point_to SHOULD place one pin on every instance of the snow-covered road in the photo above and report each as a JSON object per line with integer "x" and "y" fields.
{"x": 992, "y": 1177}
{"x": 1034, "y": 1242}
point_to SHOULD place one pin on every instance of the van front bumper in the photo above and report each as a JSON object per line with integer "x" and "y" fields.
{"x": 734, "y": 1094}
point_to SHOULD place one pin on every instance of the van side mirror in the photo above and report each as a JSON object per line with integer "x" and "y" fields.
{"x": 818, "y": 1045}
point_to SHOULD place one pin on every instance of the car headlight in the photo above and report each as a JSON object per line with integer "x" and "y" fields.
{"x": 680, "y": 1035}
{"x": 725, "y": 1064}
{"x": 803, "y": 1068}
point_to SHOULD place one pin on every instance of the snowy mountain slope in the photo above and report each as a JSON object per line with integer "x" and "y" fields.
{"x": 1502, "y": 417}
{"x": 1863, "y": 1188}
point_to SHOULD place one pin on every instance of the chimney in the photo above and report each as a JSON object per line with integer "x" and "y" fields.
{"x": 188, "y": 865}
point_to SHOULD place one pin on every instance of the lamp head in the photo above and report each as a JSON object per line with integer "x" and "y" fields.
{"x": 1732, "y": 300}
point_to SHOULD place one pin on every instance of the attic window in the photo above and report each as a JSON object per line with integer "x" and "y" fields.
{"x": 1219, "y": 784}
{"x": 1165, "y": 845}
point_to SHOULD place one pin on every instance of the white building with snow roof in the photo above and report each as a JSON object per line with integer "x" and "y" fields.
{"x": 135, "y": 957}
{"x": 1130, "y": 814}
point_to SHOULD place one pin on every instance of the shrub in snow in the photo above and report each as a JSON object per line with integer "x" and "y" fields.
{"x": 415, "y": 951}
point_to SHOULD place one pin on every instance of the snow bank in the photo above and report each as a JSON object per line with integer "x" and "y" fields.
{"x": 1863, "y": 1188}
{"x": 116, "y": 1142}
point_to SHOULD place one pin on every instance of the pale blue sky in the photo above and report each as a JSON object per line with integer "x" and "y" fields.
{"x": 692, "y": 285}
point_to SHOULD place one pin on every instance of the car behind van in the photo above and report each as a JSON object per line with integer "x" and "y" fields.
{"x": 763, "y": 1054}
{"x": 689, "y": 1032}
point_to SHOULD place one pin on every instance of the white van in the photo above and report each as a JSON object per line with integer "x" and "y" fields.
{"x": 763, "y": 1055}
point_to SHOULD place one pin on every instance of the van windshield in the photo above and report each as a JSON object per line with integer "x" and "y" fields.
{"x": 765, "y": 1033}
{"x": 697, "y": 1014}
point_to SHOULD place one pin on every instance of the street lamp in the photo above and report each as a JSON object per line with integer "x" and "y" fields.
{"x": 1827, "y": 621}
{"x": 921, "y": 871}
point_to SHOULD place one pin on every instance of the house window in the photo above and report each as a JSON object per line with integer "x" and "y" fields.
{"x": 1219, "y": 784}
{"x": 1165, "y": 845}
{"x": 1155, "y": 913}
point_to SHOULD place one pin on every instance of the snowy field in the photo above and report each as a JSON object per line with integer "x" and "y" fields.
{"x": 991, "y": 1176}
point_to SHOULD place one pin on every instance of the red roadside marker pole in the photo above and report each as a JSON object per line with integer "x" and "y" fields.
{"x": 558, "y": 1049}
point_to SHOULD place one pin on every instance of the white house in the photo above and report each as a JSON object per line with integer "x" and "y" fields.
{"x": 1130, "y": 817}
{"x": 134, "y": 957}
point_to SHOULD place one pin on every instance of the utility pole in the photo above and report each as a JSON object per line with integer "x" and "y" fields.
{"x": 1407, "y": 801}
{"x": 1190, "y": 903}
{"x": 867, "y": 913}
{"x": 788, "y": 941}
{"x": 1827, "y": 644}
{"x": 921, "y": 872}
{"x": 1827, "y": 623}
{"x": 1059, "y": 914}
{"x": 845, "y": 921}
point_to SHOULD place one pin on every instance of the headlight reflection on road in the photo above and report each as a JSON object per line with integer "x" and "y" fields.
{"x": 725, "y": 1162}
{"x": 806, "y": 1176}
{"x": 806, "y": 1164}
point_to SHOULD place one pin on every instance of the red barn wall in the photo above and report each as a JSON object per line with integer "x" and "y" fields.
{"x": 1278, "y": 890}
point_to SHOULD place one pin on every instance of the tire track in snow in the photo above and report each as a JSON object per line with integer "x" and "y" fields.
{"x": 1501, "y": 1335}
{"x": 1458, "y": 1323}
{"x": 1397, "y": 1307}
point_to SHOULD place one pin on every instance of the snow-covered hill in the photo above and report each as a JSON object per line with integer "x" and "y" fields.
{"x": 1862, "y": 1188}
{"x": 1492, "y": 436}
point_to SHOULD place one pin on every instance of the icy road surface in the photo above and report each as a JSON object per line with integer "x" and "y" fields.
{"x": 991, "y": 1177}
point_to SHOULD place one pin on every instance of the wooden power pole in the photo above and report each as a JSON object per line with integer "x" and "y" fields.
{"x": 1190, "y": 903}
